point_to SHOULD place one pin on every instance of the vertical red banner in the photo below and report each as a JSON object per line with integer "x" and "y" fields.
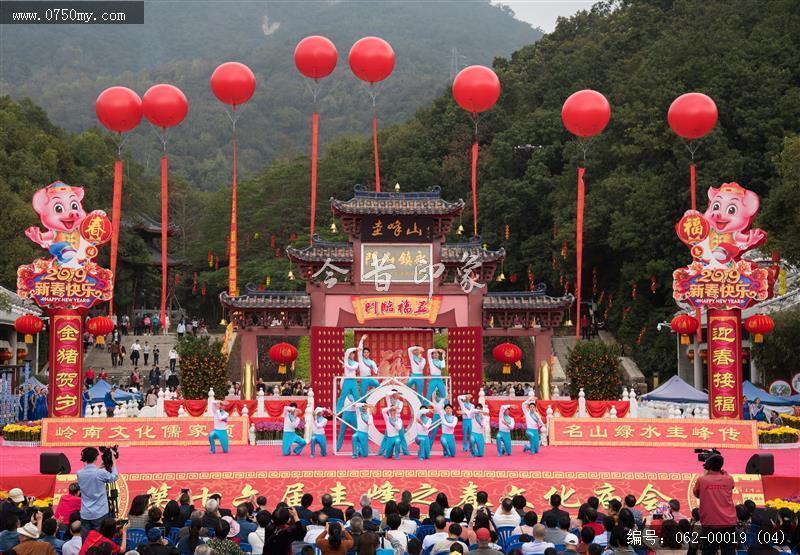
{"x": 116, "y": 206}
{"x": 375, "y": 152}
{"x": 66, "y": 362}
{"x": 164, "y": 234}
{"x": 233, "y": 289}
{"x": 724, "y": 363}
{"x": 474, "y": 176}
{"x": 314, "y": 154}
{"x": 579, "y": 250}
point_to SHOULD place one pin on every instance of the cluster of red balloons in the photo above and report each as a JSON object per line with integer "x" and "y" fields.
{"x": 371, "y": 58}
{"x": 120, "y": 109}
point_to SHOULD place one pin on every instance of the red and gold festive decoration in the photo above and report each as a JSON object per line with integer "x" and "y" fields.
{"x": 724, "y": 363}
{"x": 283, "y": 354}
{"x": 396, "y": 306}
{"x": 99, "y": 326}
{"x": 758, "y": 326}
{"x": 5, "y": 356}
{"x": 684, "y": 325}
{"x": 28, "y": 325}
{"x": 66, "y": 363}
{"x": 507, "y": 354}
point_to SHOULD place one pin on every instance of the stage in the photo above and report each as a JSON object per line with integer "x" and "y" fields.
{"x": 652, "y": 474}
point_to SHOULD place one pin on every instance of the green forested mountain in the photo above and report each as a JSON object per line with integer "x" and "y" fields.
{"x": 65, "y": 67}
{"x": 641, "y": 55}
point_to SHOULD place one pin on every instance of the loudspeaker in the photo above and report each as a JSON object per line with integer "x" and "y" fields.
{"x": 763, "y": 464}
{"x": 54, "y": 463}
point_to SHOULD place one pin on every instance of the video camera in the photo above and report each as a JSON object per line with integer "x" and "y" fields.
{"x": 108, "y": 456}
{"x": 705, "y": 454}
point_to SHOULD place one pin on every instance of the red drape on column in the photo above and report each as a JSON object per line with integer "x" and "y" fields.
{"x": 389, "y": 348}
{"x": 693, "y": 185}
{"x": 314, "y": 154}
{"x": 474, "y": 173}
{"x": 116, "y": 206}
{"x": 327, "y": 353}
{"x": 579, "y": 250}
{"x": 164, "y": 225}
{"x": 465, "y": 360}
{"x": 375, "y": 151}
{"x": 232, "y": 255}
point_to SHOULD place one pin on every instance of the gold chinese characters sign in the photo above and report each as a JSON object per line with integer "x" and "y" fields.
{"x": 396, "y": 306}
{"x": 69, "y": 432}
{"x": 346, "y": 486}
{"x": 653, "y": 432}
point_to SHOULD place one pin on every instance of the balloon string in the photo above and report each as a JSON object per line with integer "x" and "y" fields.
{"x": 162, "y": 136}
{"x": 315, "y": 89}
{"x": 692, "y": 147}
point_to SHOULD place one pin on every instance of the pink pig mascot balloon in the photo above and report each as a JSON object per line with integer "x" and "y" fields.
{"x": 731, "y": 210}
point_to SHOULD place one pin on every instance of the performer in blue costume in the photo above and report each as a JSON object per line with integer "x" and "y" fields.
{"x": 416, "y": 381}
{"x": 291, "y": 420}
{"x": 480, "y": 419}
{"x": 393, "y": 399}
{"x": 423, "y": 425}
{"x": 438, "y": 405}
{"x": 348, "y": 415}
{"x": 505, "y": 425}
{"x": 41, "y": 403}
{"x": 436, "y": 364}
{"x": 318, "y": 424}
{"x": 533, "y": 425}
{"x": 449, "y": 423}
{"x": 220, "y": 431}
{"x": 350, "y": 381}
{"x": 366, "y": 368}
{"x": 361, "y": 437}
{"x": 394, "y": 427}
{"x": 465, "y": 406}
{"x": 24, "y": 412}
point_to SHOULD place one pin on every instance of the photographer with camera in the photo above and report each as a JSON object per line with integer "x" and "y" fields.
{"x": 717, "y": 510}
{"x": 92, "y": 482}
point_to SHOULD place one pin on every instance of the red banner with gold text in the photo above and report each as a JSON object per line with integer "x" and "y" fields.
{"x": 66, "y": 362}
{"x": 461, "y": 487}
{"x": 724, "y": 363}
{"x": 137, "y": 431}
{"x": 653, "y": 432}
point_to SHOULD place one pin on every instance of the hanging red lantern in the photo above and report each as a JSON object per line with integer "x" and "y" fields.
{"x": 203, "y": 289}
{"x": 100, "y": 326}
{"x": 282, "y": 354}
{"x": 293, "y": 236}
{"x": 759, "y": 325}
{"x": 594, "y": 282}
{"x": 684, "y": 325}
{"x": 194, "y": 283}
{"x": 564, "y": 249}
{"x": 29, "y": 325}
{"x": 177, "y": 279}
{"x": 513, "y": 278}
{"x": 745, "y": 353}
{"x": 653, "y": 285}
{"x": 21, "y": 354}
{"x": 704, "y": 354}
{"x": 507, "y": 354}
{"x": 5, "y": 356}
{"x": 634, "y": 289}
{"x": 210, "y": 259}
{"x": 272, "y": 241}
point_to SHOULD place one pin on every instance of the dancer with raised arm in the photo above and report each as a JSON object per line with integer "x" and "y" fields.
{"x": 416, "y": 381}
{"x": 348, "y": 420}
{"x": 533, "y": 426}
{"x": 436, "y": 364}
{"x": 220, "y": 431}
{"x": 394, "y": 426}
{"x": 449, "y": 423}
{"x": 291, "y": 420}
{"x": 437, "y": 404}
{"x": 361, "y": 437}
{"x": 480, "y": 419}
{"x": 423, "y": 424}
{"x": 318, "y": 424}
{"x": 350, "y": 381}
{"x": 506, "y": 424}
{"x": 366, "y": 367}
{"x": 465, "y": 406}
{"x": 393, "y": 399}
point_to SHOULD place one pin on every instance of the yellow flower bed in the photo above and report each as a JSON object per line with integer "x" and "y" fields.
{"x": 783, "y": 504}
{"x": 792, "y": 421}
{"x": 782, "y": 434}
{"x": 22, "y": 432}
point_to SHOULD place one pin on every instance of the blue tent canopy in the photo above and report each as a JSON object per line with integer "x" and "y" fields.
{"x": 675, "y": 390}
{"x": 101, "y": 387}
{"x": 751, "y": 392}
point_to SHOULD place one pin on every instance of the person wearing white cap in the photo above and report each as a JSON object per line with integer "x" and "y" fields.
{"x": 416, "y": 381}
{"x": 318, "y": 424}
{"x": 571, "y": 542}
{"x": 28, "y": 535}
{"x": 423, "y": 429}
{"x": 13, "y": 508}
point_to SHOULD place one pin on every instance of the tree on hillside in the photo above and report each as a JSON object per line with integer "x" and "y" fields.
{"x": 594, "y": 367}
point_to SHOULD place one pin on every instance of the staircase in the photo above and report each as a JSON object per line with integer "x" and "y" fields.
{"x": 101, "y": 358}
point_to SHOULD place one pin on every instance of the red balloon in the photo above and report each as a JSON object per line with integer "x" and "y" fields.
{"x": 164, "y": 105}
{"x": 476, "y": 88}
{"x": 692, "y": 115}
{"x": 118, "y": 109}
{"x": 233, "y": 83}
{"x": 586, "y": 113}
{"x": 372, "y": 59}
{"x": 315, "y": 57}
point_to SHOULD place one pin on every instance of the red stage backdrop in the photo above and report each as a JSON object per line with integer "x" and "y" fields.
{"x": 460, "y": 487}
{"x": 327, "y": 361}
{"x": 465, "y": 360}
{"x": 389, "y": 348}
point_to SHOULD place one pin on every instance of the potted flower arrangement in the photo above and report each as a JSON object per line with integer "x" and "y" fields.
{"x": 517, "y": 432}
{"x": 791, "y": 503}
{"x": 791, "y": 421}
{"x": 271, "y": 432}
{"x": 22, "y": 434}
{"x": 772, "y": 435}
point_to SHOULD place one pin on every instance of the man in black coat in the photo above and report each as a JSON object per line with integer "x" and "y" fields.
{"x": 329, "y": 509}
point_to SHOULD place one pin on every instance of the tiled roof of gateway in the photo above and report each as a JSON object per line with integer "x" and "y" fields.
{"x": 253, "y": 298}
{"x": 320, "y": 250}
{"x": 533, "y": 300}
{"x": 453, "y": 253}
{"x": 371, "y": 202}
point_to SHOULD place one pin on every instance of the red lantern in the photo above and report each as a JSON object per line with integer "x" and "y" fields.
{"x": 29, "y": 325}
{"x": 507, "y": 354}
{"x": 759, "y": 325}
{"x": 233, "y": 83}
{"x": 586, "y": 113}
{"x": 119, "y": 109}
{"x": 315, "y": 57}
{"x": 164, "y": 105}
{"x": 100, "y": 326}
{"x": 21, "y": 354}
{"x": 5, "y": 356}
{"x": 282, "y": 354}
{"x": 476, "y": 89}
{"x": 371, "y": 59}
{"x": 684, "y": 325}
{"x": 692, "y": 115}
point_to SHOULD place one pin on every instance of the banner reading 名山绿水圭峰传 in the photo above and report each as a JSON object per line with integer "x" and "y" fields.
{"x": 66, "y": 432}
{"x": 653, "y": 432}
